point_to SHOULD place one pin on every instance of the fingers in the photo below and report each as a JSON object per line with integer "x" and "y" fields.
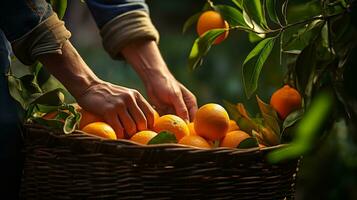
{"x": 114, "y": 122}
{"x": 190, "y": 101}
{"x": 180, "y": 107}
{"x": 147, "y": 111}
{"x": 136, "y": 114}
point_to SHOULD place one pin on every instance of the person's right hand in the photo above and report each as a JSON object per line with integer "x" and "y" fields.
{"x": 126, "y": 110}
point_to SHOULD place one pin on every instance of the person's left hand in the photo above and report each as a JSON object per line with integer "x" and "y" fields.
{"x": 167, "y": 95}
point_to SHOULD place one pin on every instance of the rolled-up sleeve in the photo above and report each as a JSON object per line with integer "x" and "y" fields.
{"x": 122, "y": 22}
{"x": 32, "y": 28}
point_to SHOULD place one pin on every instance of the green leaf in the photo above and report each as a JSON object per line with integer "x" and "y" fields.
{"x": 201, "y": 47}
{"x": 292, "y": 118}
{"x": 71, "y": 123}
{"x": 15, "y": 90}
{"x": 238, "y": 3}
{"x": 255, "y": 11}
{"x": 190, "y": 21}
{"x": 59, "y": 6}
{"x": 253, "y": 37}
{"x": 271, "y": 9}
{"x": 51, "y": 98}
{"x": 298, "y": 38}
{"x": 163, "y": 137}
{"x": 305, "y": 66}
{"x": 250, "y": 142}
{"x": 258, "y": 30}
{"x": 270, "y": 116}
{"x": 233, "y": 16}
{"x": 251, "y": 69}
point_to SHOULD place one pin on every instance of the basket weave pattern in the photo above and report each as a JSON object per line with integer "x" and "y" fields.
{"x": 79, "y": 166}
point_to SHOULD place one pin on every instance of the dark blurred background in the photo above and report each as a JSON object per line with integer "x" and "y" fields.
{"x": 219, "y": 78}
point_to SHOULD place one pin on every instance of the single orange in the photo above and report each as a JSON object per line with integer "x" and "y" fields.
{"x": 285, "y": 100}
{"x": 233, "y": 139}
{"x": 87, "y": 118}
{"x": 195, "y": 140}
{"x": 233, "y": 126}
{"x": 100, "y": 129}
{"x": 211, "y": 121}
{"x": 191, "y": 127}
{"x": 143, "y": 137}
{"x": 209, "y": 20}
{"x": 173, "y": 124}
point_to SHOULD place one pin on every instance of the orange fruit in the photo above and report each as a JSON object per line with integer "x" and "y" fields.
{"x": 143, "y": 137}
{"x": 100, "y": 129}
{"x": 195, "y": 140}
{"x": 191, "y": 128}
{"x": 211, "y": 121}
{"x": 233, "y": 139}
{"x": 233, "y": 126}
{"x": 209, "y": 20}
{"x": 285, "y": 100}
{"x": 173, "y": 124}
{"x": 87, "y": 118}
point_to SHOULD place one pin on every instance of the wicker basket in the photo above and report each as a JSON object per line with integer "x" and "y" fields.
{"x": 79, "y": 166}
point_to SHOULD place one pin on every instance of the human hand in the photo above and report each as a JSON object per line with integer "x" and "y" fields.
{"x": 163, "y": 90}
{"x": 126, "y": 110}
{"x": 170, "y": 96}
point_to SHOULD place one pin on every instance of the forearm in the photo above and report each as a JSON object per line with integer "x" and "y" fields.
{"x": 145, "y": 58}
{"x": 70, "y": 69}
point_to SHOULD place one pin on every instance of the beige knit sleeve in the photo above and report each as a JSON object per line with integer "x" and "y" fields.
{"x": 124, "y": 29}
{"x": 47, "y": 37}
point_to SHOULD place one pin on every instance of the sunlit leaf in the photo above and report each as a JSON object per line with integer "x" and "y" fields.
{"x": 255, "y": 11}
{"x": 252, "y": 67}
{"x": 257, "y": 30}
{"x": 238, "y": 3}
{"x": 190, "y": 21}
{"x": 201, "y": 47}
{"x": 59, "y": 6}
{"x": 253, "y": 38}
{"x": 70, "y": 124}
{"x": 233, "y": 16}
{"x": 163, "y": 137}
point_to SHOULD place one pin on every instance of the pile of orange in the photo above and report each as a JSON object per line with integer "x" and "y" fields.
{"x": 210, "y": 128}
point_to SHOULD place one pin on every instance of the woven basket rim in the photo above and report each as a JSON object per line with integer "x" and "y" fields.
{"x": 129, "y": 143}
